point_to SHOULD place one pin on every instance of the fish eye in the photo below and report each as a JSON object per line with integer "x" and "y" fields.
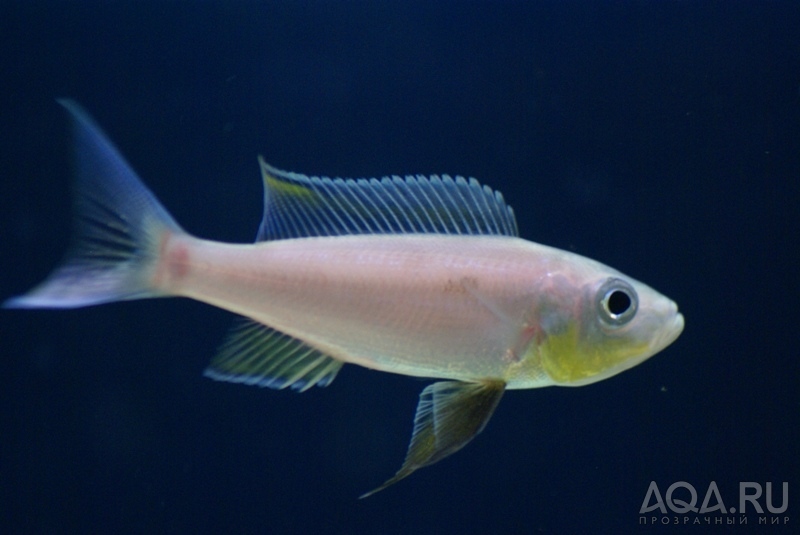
{"x": 617, "y": 302}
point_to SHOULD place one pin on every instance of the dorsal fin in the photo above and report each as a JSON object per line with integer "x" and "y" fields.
{"x": 298, "y": 206}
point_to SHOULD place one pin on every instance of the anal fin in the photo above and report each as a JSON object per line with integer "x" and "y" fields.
{"x": 449, "y": 415}
{"x": 256, "y": 354}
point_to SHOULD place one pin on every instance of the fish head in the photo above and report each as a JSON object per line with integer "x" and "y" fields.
{"x": 612, "y": 324}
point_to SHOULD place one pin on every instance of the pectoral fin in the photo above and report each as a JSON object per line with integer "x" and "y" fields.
{"x": 449, "y": 415}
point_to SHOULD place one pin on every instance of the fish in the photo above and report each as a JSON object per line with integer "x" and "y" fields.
{"x": 424, "y": 276}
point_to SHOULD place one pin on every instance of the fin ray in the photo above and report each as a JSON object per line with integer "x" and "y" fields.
{"x": 449, "y": 415}
{"x": 117, "y": 228}
{"x": 255, "y": 354}
{"x": 298, "y": 206}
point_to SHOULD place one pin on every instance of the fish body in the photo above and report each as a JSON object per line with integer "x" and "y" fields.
{"x": 422, "y": 276}
{"x": 451, "y": 307}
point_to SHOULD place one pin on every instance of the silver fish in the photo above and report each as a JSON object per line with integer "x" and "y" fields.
{"x": 421, "y": 276}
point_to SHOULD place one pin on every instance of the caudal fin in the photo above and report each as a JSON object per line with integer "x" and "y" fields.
{"x": 118, "y": 228}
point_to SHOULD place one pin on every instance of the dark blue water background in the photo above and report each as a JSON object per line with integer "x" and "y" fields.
{"x": 662, "y": 138}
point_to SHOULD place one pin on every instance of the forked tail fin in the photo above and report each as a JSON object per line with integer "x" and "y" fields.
{"x": 118, "y": 228}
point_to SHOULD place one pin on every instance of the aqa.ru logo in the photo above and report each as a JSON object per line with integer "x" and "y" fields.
{"x": 681, "y": 498}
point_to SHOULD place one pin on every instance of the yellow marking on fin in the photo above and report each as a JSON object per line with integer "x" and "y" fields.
{"x": 282, "y": 187}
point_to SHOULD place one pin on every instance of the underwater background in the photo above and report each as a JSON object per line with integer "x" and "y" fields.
{"x": 660, "y": 138}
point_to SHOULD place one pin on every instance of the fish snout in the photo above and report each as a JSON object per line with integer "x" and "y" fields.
{"x": 673, "y": 323}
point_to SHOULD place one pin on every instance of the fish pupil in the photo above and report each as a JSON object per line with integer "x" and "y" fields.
{"x": 618, "y": 302}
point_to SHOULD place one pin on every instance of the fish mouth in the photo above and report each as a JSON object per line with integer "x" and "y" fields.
{"x": 671, "y": 333}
